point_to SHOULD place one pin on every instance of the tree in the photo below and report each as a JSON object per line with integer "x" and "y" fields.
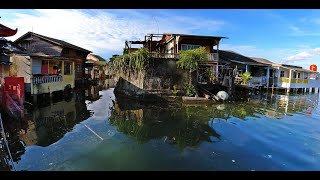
{"x": 245, "y": 77}
{"x": 189, "y": 60}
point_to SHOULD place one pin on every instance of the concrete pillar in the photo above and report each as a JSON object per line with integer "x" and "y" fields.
{"x": 310, "y": 90}
{"x": 268, "y": 76}
{"x": 305, "y": 90}
{"x": 288, "y": 90}
{"x": 316, "y": 90}
{"x": 289, "y": 84}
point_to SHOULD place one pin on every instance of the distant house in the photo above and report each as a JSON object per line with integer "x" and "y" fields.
{"x": 95, "y": 66}
{"x": 265, "y": 73}
{"x": 259, "y": 71}
{"x": 290, "y": 77}
{"x": 52, "y": 64}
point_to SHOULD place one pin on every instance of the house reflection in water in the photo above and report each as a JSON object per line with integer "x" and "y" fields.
{"x": 189, "y": 126}
{"x": 182, "y": 127}
{"x": 47, "y": 125}
{"x": 279, "y": 106}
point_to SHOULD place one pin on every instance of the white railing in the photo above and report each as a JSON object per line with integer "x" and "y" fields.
{"x": 213, "y": 57}
{"x": 46, "y": 79}
{"x": 257, "y": 81}
{"x": 164, "y": 55}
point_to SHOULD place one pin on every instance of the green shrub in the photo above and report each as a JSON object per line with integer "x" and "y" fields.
{"x": 189, "y": 89}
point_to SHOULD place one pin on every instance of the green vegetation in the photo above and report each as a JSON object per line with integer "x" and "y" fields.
{"x": 211, "y": 75}
{"x": 189, "y": 89}
{"x": 245, "y": 77}
{"x": 136, "y": 61}
{"x": 181, "y": 127}
{"x": 189, "y": 60}
{"x": 174, "y": 91}
{"x": 125, "y": 51}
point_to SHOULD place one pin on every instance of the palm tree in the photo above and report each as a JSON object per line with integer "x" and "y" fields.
{"x": 245, "y": 77}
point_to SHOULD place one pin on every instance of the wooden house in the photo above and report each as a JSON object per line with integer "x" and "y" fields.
{"x": 51, "y": 65}
{"x": 169, "y": 45}
{"x": 95, "y": 67}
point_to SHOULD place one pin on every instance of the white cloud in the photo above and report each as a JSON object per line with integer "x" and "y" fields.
{"x": 104, "y": 31}
{"x": 304, "y": 55}
{"x": 299, "y": 56}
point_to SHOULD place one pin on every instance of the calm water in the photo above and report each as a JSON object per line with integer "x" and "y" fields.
{"x": 94, "y": 131}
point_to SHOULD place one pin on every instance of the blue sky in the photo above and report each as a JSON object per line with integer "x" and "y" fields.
{"x": 282, "y": 36}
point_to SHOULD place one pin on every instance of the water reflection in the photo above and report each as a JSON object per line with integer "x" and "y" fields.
{"x": 181, "y": 126}
{"x": 46, "y": 125}
{"x": 149, "y": 133}
{"x": 49, "y": 124}
{"x": 189, "y": 126}
{"x": 279, "y": 106}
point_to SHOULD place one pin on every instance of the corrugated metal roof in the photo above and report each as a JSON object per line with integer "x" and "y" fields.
{"x": 53, "y": 40}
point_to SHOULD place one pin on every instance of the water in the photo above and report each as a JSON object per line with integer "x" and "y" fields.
{"x": 95, "y": 131}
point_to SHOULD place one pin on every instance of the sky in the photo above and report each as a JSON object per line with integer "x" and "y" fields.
{"x": 281, "y": 36}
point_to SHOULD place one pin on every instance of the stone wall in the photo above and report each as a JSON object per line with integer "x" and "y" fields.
{"x": 160, "y": 76}
{"x": 164, "y": 74}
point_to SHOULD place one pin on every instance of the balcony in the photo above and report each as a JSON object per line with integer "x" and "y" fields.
{"x": 257, "y": 81}
{"x": 46, "y": 79}
{"x": 165, "y": 55}
{"x": 211, "y": 56}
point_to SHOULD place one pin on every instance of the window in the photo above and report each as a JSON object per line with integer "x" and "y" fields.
{"x": 44, "y": 67}
{"x": 306, "y": 76}
{"x": 298, "y": 76}
{"x": 189, "y": 46}
{"x": 78, "y": 68}
{"x": 281, "y": 73}
{"x": 294, "y": 75}
{"x": 55, "y": 67}
{"x": 67, "y": 68}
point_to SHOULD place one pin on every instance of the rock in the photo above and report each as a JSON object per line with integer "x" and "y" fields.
{"x": 223, "y": 95}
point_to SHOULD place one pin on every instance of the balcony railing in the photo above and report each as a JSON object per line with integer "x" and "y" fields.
{"x": 165, "y": 55}
{"x": 211, "y": 56}
{"x": 46, "y": 79}
{"x": 257, "y": 81}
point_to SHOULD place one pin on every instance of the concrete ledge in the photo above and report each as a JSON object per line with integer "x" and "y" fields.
{"x": 187, "y": 99}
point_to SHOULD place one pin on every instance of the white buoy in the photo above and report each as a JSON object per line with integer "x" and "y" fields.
{"x": 223, "y": 95}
